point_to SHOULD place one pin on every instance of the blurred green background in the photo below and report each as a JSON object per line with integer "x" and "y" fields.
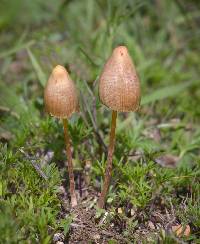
{"x": 162, "y": 37}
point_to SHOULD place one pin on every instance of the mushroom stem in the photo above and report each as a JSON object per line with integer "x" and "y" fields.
{"x": 70, "y": 165}
{"x": 101, "y": 201}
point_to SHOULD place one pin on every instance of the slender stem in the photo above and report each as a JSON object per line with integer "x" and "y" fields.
{"x": 70, "y": 165}
{"x": 101, "y": 201}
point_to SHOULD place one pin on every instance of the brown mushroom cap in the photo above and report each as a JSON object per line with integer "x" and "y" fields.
{"x": 60, "y": 95}
{"x": 119, "y": 86}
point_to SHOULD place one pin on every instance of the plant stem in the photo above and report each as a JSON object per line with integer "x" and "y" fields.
{"x": 70, "y": 165}
{"x": 101, "y": 201}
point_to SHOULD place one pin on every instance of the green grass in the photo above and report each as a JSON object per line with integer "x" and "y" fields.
{"x": 29, "y": 204}
{"x": 163, "y": 39}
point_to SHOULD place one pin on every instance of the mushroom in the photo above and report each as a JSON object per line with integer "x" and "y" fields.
{"x": 119, "y": 90}
{"x": 61, "y": 101}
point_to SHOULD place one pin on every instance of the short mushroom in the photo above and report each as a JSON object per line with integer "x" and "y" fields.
{"x": 119, "y": 90}
{"x": 61, "y": 101}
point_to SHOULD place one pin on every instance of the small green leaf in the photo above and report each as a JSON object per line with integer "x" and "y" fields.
{"x": 65, "y": 224}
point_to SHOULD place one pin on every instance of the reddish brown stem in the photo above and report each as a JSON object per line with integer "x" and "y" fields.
{"x": 101, "y": 201}
{"x": 70, "y": 165}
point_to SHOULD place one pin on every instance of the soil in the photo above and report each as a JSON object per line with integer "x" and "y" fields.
{"x": 86, "y": 228}
{"x": 126, "y": 224}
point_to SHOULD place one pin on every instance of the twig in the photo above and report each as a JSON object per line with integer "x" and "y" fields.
{"x": 80, "y": 184}
{"x": 8, "y": 110}
{"x": 77, "y": 225}
{"x": 104, "y": 218}
{"x": 35, "y": 165}
{"x": 38, "y": 169}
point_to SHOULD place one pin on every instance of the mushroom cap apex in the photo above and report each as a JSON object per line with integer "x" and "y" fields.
{"x": 60, "y": 71}
{"x": 121, "y": 49}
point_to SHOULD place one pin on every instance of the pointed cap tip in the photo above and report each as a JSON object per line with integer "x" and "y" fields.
{"x": 121, "y": 49}
{"x": 59, "y": 69}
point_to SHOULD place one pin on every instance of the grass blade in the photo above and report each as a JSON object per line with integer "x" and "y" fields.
{"x": 40, "y": 74}
{"x": 159, "y": 94}
{"x": 16, "y": 49}
{"x": 168, "y": 91}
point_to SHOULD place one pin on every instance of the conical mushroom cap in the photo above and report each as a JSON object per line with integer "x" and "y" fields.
{"x": 119, "y": 86}
{"x": 60, "y": 95}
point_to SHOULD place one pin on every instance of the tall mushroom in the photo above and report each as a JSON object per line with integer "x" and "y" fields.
{"x": 119, "y": 90}
{"x": 61, "y": 100}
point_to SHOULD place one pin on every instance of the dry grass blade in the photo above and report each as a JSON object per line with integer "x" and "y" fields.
{"x": 35, "y": 165}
